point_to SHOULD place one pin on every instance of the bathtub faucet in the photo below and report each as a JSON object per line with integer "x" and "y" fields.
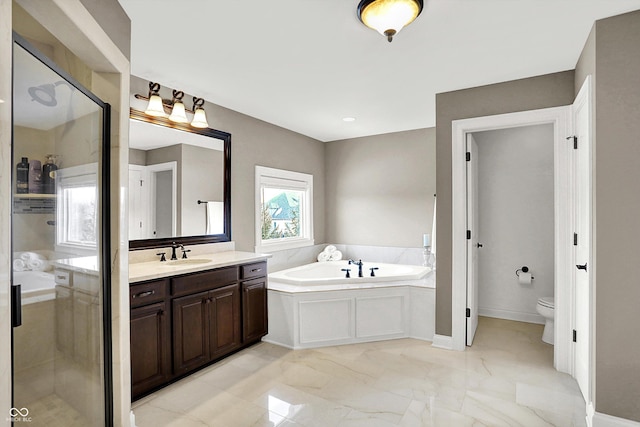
{"x": 359, "y": 264}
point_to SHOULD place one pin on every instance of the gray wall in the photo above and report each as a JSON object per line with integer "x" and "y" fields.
{"x": 380, "y": 189}
{"x": 516, "y": 218}
{"x": 550, "y": 90}
{"x": 113, "y": 20}
{"x": 255, "y": 142}
{"x": 614, "y": 57}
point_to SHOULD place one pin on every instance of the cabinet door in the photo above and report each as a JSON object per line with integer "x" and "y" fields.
{"x": 190, "y": 332}
{"x": 224, "y": 320}
{"x": 254, "y": 309}
{"x": 150, "y": 347}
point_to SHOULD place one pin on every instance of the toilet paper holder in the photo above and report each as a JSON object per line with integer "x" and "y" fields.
{"x": 523, "y": 269}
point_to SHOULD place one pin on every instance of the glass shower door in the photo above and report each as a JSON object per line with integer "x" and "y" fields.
{"x": 61, "y": 341}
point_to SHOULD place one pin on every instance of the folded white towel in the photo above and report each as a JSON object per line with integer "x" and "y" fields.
{"x": 38, "y": 265}
{"x": 27, "y": 256}
{"x": 323, "y": 257}
{"x": 330, "y": 249}
{"x": 335, "y": 255}
{"x": 19, "y": 265}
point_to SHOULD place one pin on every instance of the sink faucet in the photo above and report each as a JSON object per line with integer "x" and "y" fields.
{"x": 174, "y": 246}
{"x": 359, "y": 264}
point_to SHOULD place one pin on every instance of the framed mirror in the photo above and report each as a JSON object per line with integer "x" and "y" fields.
{"x": 179, "y": 183}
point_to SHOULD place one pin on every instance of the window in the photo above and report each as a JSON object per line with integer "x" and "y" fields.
{"x": 284, "y": 209}
{"x": 77, "y": 211}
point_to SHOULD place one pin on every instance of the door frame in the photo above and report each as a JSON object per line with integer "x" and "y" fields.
{"x": 560, "y": 118}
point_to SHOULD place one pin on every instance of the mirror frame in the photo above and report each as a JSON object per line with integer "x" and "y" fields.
{"x": 206, "y": 238}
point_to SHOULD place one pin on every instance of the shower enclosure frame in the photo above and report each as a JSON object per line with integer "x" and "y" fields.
{"x": 105, "y": 223}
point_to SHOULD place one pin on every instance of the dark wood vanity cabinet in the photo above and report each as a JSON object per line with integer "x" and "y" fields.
{"x": 254, "y": 301}
{"x": 206, "y": 326}
{"x": 183, "y": 323}
{"x": 150, "y": 336}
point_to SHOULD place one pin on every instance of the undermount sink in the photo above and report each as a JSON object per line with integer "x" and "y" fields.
{"x": 185, "y": 262}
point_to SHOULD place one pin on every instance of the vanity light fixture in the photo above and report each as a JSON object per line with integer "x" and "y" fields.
{"x": 199, "y": 115}
{"x": 155, "y": 106}
{"x": 174, "y": 107}
{"x": 178, "y": 112}
{"x": 388, "y": 17}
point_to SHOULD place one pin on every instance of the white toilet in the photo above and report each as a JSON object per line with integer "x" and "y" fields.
{"x": 545, "y": 308}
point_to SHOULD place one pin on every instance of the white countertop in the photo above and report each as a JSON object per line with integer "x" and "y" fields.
{"x": 85, "y": 264}
{"x": 141, "y": 271}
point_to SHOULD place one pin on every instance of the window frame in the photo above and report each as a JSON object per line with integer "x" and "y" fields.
{"x": 75, "y": 176}
{"x": 280, "y": 178}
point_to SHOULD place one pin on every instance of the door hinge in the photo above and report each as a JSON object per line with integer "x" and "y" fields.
{"x": 468, "y": 234}
{"x": 575, "y": 141}
{"x": 575, "y": 239}
{"x": 468, "y": 156}
{"x": 468, "y": 312}
{"x": 575, "y": 336}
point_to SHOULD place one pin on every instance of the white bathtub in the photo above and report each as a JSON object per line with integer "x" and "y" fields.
{"x": 328, "y": 276}
{"x": 36, "y": 286}
{"x": 314, "y": 305}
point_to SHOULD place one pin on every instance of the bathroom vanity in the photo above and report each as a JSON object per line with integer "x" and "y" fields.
{"x": 187, "y": 315}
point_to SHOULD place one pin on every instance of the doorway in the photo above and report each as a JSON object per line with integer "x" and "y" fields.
{"x": 514, "y": 225}
{"x": 559, "y": 119}
{"x": 574, "y": 308}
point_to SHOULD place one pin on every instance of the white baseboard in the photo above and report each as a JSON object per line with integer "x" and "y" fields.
{"x": 442, "y": 341}
{"x": 603, "y": 420}
{"x": 512, "y": 315}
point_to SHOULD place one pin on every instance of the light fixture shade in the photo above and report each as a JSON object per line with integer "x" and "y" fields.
{"x": 178, "y": 113}
{"x": 388, "y": 17}
{"x": 199, "y": 119}
{"x": 155, "y": 108}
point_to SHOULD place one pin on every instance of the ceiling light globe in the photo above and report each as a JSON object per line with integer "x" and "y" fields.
{"x": 388, "y": 17}
{"x": 154, "y": 107}
{"x": 200, "y": 119}
{"x": 178, "y": 113}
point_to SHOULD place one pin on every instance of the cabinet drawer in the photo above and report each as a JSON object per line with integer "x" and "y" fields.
{"x": 203, "y": 281}
{"x": 257, "y": 269}
{"x": 147, "y": 293}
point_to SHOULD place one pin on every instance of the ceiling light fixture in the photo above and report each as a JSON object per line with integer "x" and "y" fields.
{"x": 388, "y": 17}
{"x": 174, "y": 107}
{"x": 348, "y": 119}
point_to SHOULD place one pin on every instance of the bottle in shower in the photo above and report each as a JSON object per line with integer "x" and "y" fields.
{"x": 49, "y": 174}
{"x": 35, "y": 177}
{"x": 22, "y": 176}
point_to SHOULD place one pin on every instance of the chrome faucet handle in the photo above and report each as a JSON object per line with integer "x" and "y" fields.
{"x": 162, "y": 256}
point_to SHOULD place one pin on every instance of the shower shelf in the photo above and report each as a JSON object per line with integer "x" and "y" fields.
{"x": 33, "y": 196}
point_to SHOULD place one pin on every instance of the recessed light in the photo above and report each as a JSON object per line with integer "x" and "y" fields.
{"x": 1, "y": 101}
{"x": 348, "y": 119}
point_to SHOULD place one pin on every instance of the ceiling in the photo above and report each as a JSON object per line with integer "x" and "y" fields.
{"x": 306, "y": 64}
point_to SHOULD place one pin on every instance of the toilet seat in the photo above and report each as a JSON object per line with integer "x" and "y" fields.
{"x": 546, "y": 302}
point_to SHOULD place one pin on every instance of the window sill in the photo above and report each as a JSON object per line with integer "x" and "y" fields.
{"x": 281, "y": 246}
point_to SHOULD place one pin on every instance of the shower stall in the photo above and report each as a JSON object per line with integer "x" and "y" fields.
{"x": 61, "y": 348}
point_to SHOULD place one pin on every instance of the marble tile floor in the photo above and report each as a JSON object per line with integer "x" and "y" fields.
{"x": 505, "y": 379}
{"x": 52, "y": 411}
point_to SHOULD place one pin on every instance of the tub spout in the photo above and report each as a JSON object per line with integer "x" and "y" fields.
{"x": 359, "y": 264}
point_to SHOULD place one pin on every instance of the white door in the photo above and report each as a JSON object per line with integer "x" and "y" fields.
{"x": 582, "y": 239}
{"x": 138, "y": 203}
{"x": 472, "y": 238}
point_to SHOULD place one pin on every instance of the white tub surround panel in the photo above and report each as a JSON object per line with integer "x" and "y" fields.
{"x": 307, "y": 310}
